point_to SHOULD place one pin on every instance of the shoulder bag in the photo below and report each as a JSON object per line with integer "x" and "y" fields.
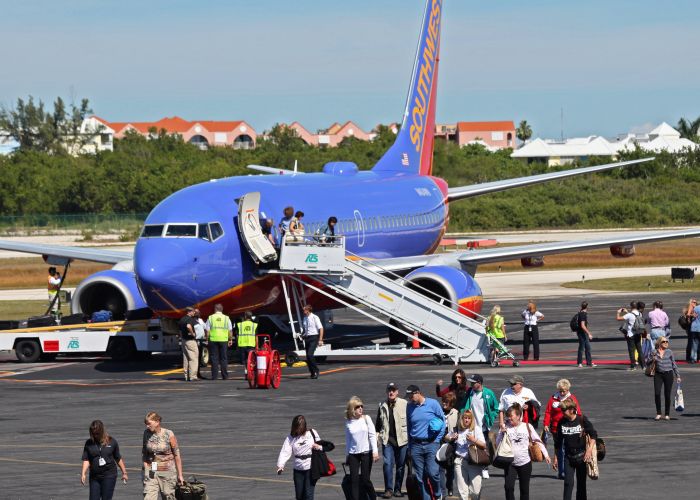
{"x": 592, "y": 464}
{"x": 321, "y": 465}
{"x": 477, "y": 456}
{"x": 504, "y": 453}
{"x": 650, "y": 369}
{"x": 533, "y": 448}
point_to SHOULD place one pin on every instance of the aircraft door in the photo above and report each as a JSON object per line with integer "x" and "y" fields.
{"x": 257, "y": 244}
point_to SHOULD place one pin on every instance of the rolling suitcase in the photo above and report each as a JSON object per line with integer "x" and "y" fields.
{"x": 347, "y": 490}
{"x": 414, "y": 491}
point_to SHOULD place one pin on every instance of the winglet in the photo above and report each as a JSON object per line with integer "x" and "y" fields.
{"x": 412, "y": 152}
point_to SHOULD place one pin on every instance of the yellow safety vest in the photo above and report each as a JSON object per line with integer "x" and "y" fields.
{"x": 246, "y": 333}
{"x": 218, "y": 332}
{"x": 51, "y": 287}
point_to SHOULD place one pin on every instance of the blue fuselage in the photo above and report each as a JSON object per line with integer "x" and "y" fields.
{"x": 381, "y": 216}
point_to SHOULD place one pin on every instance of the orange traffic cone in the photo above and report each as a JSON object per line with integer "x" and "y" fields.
{"x": 415, "y": 344}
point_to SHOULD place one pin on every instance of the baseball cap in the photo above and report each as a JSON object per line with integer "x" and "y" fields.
{"x": 392, "y": 387}
{"x": 412, "y": 389}
{"x": 476, "y": 378}
{"x": 516, "y": 379}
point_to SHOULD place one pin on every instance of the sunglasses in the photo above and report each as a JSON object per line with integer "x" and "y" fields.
{"x": 664, "y": 341}
{"x": 359, "y": 406}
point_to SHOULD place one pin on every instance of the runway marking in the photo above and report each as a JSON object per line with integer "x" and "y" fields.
{"x": 166, "y": 372}
{"x": 186, "y": 472}
{"x": 82, "y": 384}
{"x": 174, "y": 389}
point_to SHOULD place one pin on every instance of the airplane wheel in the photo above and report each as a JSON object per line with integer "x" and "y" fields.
{"x": 204, "y": 355}
{"x": 291, "y": 358}
{"x": 251, "y": 366}
{"x": 437, "y": 359}
{"x": 516, "y": 363}
{"x": 276, "y": 368}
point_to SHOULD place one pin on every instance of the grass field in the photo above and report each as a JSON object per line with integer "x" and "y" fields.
{"x": 23, "y": 309}
{"x": 642, "y": 283}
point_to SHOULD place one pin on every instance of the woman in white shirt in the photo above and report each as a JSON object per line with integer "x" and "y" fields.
{"x": 468, "y": 476}
{"x": 520, "y": 435}
{"x": 299, "y": 444}
{"x": 530, "y": 333}
{"x": 360, "y": 448}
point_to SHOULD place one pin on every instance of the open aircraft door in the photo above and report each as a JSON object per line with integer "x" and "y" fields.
{"x": 257, "y": 244}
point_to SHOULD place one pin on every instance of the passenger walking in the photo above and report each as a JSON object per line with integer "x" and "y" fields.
{"x": 468, "y": 476}
{"x": 313, "y": 337}
{"x": 392, "y": 433}
{"x": 659, "y": 323}
{"x": 458, "y": 386}
{"x": 220, "y": 337}
{"x": 360, "y": 448}
{"x": 451, "y": 427}
{"x": 531, "y": 333}
{"x": 576, "y": 436}
{"x": 245, "y": 338}
{"x": 523, "y": 397}
{"x": 634, "y": 339}
{"x": 664, "y": 373}
{"x": 426, "y": 426}
{"x": 287, "y": 215}
{"x": 483, "y": 404}
{"x": 102, "y": 457}
{"x": 296, "y": 228}
{"x": 520, "y": 434}
{"x": 584, "y": 337}
{"x": 496, "y": 327}
{"x": 554, "y": 413}
{"x": 326, "y": 233}
{"x": 299, "y": 444}
{"x": 695, "y": 333}
{"x": 190, "y": 351}
{"x": 685, "y": 321}
{"x": 162, "y": 465}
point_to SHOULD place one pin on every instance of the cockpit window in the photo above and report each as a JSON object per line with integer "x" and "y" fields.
{"x": 152, "y": 231}
{"x": 216, "y": 231}
{"x": 203, "y": 232}
{"x": 181, "y": 231}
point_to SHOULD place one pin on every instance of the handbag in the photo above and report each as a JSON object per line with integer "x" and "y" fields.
{"x": 192, "y": 490}
{"x": 446, "y": 454}
{"x": 504, "y": 453}
{"x": 533, "y": 448}
{"x": 477, "y": 456}
{"x": 678, "y": 402}
{"x": 600, "y": 447}
{"x": 592, "y": 464}
{"x": 321, "y": 465}
{"x": 650, "y": 369}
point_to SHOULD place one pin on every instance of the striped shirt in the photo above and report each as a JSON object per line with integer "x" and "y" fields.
{"x": 667, "y": 363}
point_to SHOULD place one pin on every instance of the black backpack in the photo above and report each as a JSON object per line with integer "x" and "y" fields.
{"x": 574, "y": 323}
{"x": 684, "y": 322}
{"x": 638, "y": 327}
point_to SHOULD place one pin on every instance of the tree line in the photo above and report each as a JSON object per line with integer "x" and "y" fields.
{"x": 140, "y": 172}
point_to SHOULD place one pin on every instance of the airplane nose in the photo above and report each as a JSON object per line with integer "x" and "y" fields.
{"x": 166, "y": 273}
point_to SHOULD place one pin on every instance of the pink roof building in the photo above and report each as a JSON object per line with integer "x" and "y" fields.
{"x": 202, "y": 133}
{"x": 495, "y": 135}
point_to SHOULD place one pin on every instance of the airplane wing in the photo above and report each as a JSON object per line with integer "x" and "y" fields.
{"x": 78, "y": 253}
{"x": 274, "y": 170}
{"x": 473, "y": 258}
{"x": 457, "y": 193}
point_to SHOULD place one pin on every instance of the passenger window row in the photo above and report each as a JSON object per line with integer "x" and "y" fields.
{"x": 379, "y": 223}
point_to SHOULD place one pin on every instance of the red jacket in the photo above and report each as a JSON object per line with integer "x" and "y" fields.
{"x": 553, "y": 413}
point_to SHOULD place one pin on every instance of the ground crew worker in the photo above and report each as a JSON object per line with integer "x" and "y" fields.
{"x": 54, "y": 283}
{"x": 220, "y": 337}
{"x": 246, "y": 338}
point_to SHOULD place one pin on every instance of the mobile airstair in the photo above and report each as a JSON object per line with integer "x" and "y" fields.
{"x": 327, "y": 268}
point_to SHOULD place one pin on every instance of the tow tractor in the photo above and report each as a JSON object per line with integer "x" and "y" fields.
{"x": 121, "y": 340}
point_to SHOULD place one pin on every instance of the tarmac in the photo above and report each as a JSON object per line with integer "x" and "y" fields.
{"x": 230, "y": 435}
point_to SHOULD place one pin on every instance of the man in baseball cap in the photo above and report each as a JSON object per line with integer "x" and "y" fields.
{"x": 391, "y": 432}
{"x": 518, "y": 393}
{"x": 426, "y": 426}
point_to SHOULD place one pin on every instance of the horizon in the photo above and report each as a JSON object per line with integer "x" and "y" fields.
{"x": 613, "y": 69}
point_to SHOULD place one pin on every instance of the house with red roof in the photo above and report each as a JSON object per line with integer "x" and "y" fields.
{"x": 202, "y": 133}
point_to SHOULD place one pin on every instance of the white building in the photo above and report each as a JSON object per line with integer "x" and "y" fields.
{"x": 662, "y": 138}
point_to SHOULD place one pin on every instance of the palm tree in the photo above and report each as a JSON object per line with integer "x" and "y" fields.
{"x": 524, "y": 131}
{"x": 688, "y": 129}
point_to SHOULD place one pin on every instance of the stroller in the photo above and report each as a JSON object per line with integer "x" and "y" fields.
{"x": 499, "y": 351}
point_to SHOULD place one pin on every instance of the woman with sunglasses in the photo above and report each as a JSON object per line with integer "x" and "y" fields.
{"x": 458, "y": 386}
{"x": 577, "y": 436}
{"x": 360, "y": 448}
{"x": 467, "y": 475}
{"x": 666, "y": 371}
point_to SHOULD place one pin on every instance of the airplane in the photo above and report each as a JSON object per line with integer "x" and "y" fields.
{"x": 194, "y": 248}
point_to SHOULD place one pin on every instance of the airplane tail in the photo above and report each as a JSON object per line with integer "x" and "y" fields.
{"x": 412, "y": 152}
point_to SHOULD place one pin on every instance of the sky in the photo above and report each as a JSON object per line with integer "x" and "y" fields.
{"x": 612, "y": 66}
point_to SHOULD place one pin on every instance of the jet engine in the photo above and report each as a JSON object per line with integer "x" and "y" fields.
{"x": 622, "y": 251}
{"x": 444, "y": 282}
{"x": 114, "y": 290}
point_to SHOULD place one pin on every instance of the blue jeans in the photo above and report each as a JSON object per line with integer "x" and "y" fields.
{"x": 656, "y": 333}
{"x": 584, "y": 344}
{"x": 303, "y": 485}
{"x": 695, "y": 342}
{"x": 561, "y": 456}
{"x": 394, "y": 456}
{"x": 102, "y": 489}
{"x": 425, "y": 467}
